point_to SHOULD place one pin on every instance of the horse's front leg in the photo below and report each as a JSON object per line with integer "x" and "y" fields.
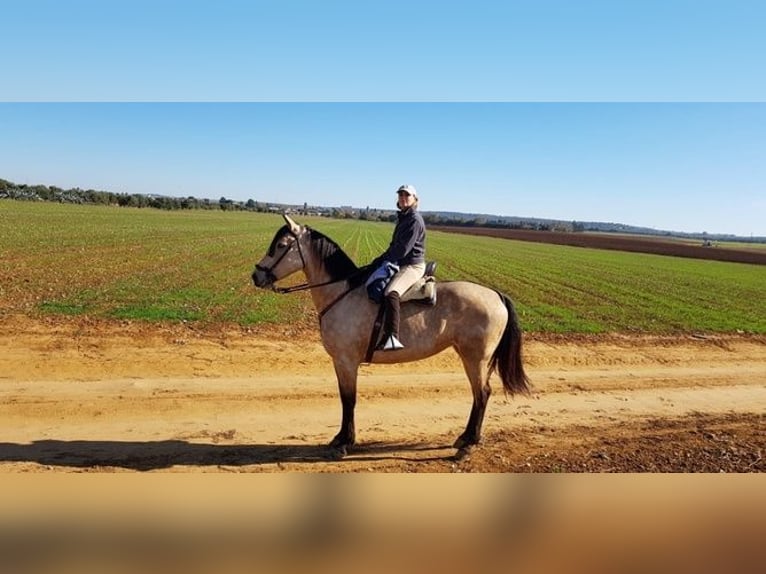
{"x": 346, "y": 437}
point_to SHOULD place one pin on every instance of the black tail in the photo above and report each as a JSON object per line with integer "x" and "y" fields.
{"x": 507, "y": 357}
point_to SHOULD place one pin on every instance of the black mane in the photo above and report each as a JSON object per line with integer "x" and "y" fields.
{"x": 335, "y": 260}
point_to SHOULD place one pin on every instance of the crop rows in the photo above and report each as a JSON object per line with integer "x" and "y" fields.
{"x": 136, "y": 264}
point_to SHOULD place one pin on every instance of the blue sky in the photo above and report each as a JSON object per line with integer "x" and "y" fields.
{"x": 400, "y": 50}
{"x": 477, "y": 104}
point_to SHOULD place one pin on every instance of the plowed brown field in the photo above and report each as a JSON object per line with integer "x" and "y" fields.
{"x": 635, "y": 244}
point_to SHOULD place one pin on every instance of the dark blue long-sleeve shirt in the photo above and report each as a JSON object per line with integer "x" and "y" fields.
{"x": 408, "y": 244}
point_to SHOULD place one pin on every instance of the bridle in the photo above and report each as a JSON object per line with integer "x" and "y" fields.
{"x": 269, "y": 271}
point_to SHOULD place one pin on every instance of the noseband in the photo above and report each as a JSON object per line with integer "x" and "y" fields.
{"x": 303, "y": 286}
{"x": 269, "y": 271}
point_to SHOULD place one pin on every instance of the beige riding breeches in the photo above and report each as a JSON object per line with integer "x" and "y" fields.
{"x": 406, "y": 278}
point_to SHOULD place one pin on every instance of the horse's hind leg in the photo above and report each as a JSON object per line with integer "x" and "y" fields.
{"x": 346, "y": 437}
{"x": 477, "y": 371}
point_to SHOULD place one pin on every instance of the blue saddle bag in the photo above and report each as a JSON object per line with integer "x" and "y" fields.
{"x": 379, "y": 279}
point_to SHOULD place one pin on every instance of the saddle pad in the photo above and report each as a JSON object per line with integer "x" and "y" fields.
{"x": 422, "y": 291}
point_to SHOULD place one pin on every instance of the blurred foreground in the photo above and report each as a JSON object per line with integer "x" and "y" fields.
{"x": 392, "y": 523}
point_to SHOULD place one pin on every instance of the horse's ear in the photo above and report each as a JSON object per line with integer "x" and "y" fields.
{"x": 294, "y": 227}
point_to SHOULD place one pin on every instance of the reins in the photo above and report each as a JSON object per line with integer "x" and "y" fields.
{"x": 305, "y": 286}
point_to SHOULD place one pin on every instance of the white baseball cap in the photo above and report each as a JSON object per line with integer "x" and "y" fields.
{"x": 408, "y": 189}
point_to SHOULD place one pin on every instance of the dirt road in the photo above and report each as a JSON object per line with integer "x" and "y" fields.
{"x": 93, "y": 396}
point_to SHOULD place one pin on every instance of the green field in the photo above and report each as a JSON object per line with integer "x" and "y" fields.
{"x": 125, "y": 263}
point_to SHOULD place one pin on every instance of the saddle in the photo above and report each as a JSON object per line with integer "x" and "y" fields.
{"x": 423, "y": 291}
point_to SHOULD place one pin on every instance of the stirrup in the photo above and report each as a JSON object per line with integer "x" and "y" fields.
{"x": 390, "y": 344}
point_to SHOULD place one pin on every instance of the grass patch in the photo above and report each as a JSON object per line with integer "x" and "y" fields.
{"x": 195, "y": 266}
{"x": 150, "y": 313}
{"x": 62, "y": 308}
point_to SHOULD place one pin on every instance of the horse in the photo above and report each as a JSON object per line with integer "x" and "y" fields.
{"x": 480, "y": 323}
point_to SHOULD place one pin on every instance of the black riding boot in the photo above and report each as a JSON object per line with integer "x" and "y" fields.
{"x": 391, "y": 323}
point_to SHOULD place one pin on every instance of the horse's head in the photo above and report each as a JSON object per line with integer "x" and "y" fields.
{"x": 284, "y": 256}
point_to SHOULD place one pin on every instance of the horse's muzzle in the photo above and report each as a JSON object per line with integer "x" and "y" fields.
{"x": 263, "y": 277}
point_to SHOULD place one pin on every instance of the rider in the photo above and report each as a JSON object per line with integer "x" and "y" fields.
{"x": 407, "y": 250}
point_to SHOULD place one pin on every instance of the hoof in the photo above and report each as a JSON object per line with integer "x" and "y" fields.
{"x": 462, "y": 452}
{"x": 464, "y": 442}
{"x": 338, "y": 452}
{"x": 341, "y": 442}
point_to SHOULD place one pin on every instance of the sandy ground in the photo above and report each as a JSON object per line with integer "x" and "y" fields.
{"x": 79, "y": 395}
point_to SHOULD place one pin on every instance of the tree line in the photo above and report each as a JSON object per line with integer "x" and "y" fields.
{"x": 10, "y": 190}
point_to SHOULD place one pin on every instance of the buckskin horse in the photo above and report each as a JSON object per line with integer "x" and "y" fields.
{"x": 480, "y": 323}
